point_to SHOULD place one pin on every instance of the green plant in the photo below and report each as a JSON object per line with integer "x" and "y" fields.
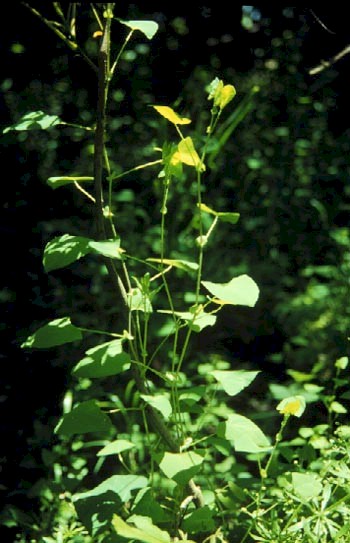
{"x": 165, "y": 433}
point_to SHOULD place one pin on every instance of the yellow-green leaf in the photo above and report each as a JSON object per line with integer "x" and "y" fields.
{"x": 293, "y": 405}
{"x": 226, "y": 95}
{"x": 169, "y": 114}
{"x": 148, "y": 28}
{"x": 146, "y": 531}
{"x": 188, "y": 154}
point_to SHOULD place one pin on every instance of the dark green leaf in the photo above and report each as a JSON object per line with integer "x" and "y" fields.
{"x": 63, "y": 250}
{"x": 85, "y": 417}
{"x": 201, "y": 520}
{"x": 146, "y": 505}
{"x": 104, "y": 360}
{"x": 54, "y": 333}
{"x": 97, "y": 506}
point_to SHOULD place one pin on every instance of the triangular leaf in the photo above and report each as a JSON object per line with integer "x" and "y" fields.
{"x": 245, "y": 435}
{"x": 234, "y": 381}
{"x": 147, "y": 532}
{"x": 169, "y": 114}
{"x": 188, "y": 154}
{"x": 104, "y": 360}
{"x": 159, "y": 402}
{"x": 84, "y": 418}
{"x": 35, "y": 120}
{"x": 181, "y": 467}
{"x": 116, "y": 447}
{"x": 148, "y": 28}
{"x": 56, "y": 332}
{"x": 241, "y": 290}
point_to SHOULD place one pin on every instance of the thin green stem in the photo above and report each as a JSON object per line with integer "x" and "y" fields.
{"x": 74, "y": 125}
{"x": 97, "y": 17}
{"x": 101, "y": 332}
{"x": 115, "y": 64}
{"x": 135, "y": 169}
{"x": 85, "y": 192}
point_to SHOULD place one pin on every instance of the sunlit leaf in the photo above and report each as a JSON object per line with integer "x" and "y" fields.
{"x": 181, "y": 467}
{"x": 226, "y": 95}
{"x": 293, "y": 405}
{"x": 138, "y": 301}
{"x": 63, "y": 250}
{"x": 224, "y": 216}
{"x": 56, "y": 332}
{"x": 116, "y": 447}
{"x": 148, "y": 28}
{"x": 221, "y": 94}
{"x": 245, "y": 435}
{"x": 195, "y": 322}
{"x": 66, "y": 249}
{"x": 188, "y": 154}
{"x": 337, "y": 407}
{"x": 143, "y": 530}
{"x": 159, "y": 402}
{"x": 96, "y": 507}
{"x": 306, "y": 485}
{"x": 122, "y": 485}
{"x": 84, "y": 418}
{"x": 104, "y": 360}
{"x": 109, "y": 248}
{"x": 234, "y": 381}
{"x": 207, "y": 209}
{"x": 35, "y": 120}
{"x": 169, "y": 114}
{"x": 228, "y": 216}
{"x": 241, "y": 290}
